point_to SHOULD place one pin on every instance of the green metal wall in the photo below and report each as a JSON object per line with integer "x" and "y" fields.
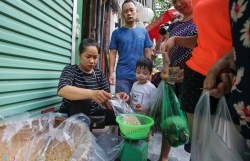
{"x": 35, "y": 45}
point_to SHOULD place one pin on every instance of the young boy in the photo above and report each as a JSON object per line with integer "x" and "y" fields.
{"x": 142, "y": 89}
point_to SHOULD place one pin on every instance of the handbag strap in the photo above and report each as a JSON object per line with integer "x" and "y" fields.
{"x": 96, "y": 79}
{"x": 109, "y": 107}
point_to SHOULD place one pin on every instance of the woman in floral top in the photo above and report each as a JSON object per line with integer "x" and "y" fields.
{"x": 239, "y": 59}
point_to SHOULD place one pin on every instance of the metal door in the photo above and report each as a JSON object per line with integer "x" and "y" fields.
{"x": 35, "y": 45}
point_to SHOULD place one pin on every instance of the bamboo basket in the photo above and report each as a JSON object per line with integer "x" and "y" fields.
{"x": 25, "y": 146}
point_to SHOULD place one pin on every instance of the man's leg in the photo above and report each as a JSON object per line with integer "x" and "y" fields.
{"x": 123, "y": 85}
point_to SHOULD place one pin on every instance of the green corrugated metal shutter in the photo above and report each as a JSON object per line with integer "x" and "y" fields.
{"x": 35, "y": 45}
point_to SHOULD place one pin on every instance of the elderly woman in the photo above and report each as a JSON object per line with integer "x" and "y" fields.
{"x": 84, "y": 88}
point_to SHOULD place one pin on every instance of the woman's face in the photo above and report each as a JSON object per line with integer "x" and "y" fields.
{"x": 183, "y": 6}
{"x": 88, "y": 58}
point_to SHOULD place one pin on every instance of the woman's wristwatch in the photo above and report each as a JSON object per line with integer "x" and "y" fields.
{"x": 113, "y": 96}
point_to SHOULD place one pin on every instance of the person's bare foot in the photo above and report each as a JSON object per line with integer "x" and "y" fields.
{"x": 163, "y": 159}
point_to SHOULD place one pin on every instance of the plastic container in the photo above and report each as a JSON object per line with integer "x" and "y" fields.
{"x": 135, "y": 131}
{"x": 110, "y": 143}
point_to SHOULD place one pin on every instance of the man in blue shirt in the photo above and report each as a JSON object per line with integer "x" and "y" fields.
{"x": 131, "y": 43}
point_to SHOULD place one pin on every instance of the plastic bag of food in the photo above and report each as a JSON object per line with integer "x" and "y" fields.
{"x": 7, "y": 116}
{"x": 120, "y": 107}
{"x": 84, "y": 152}
{"x": 174, "y": 124}
{"x": 133, "y": 120}
{"x": 25, "y": 139}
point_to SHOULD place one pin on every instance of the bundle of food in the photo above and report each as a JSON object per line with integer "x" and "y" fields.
{"x": 131, "y": 120}
{"x": 175, "y": 131}
{"x": 120, "y": 107}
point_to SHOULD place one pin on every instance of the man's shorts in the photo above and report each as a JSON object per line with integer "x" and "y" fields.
{"x": 123, "y": 85}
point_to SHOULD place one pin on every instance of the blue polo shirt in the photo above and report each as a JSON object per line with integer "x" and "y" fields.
{"x": 130, "y": 44}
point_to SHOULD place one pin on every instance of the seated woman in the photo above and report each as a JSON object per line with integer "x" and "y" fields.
{"x": 84, "y": 88}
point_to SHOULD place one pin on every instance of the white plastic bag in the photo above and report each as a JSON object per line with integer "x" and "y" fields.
{"x": 155, "y": 104}
{"x": 215, "y": 138}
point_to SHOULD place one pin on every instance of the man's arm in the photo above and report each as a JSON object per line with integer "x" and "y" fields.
{"x": 158, "y": 43}
{"x": 147, "y": 53}
{"x": 112, "y": 59}
{"x": 147, "y": 46}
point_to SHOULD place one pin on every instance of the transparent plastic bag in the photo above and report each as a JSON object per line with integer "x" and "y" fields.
{"x": 86, "y": 153}
{"x": 24, "y": 139}
{"x": 120, "y": 107}
{"x": 214, "y": 137}
{"x": 111, "y": 144}
{"x": 174, "y": 124}
{"x": 7, "y": 116}
{"x": 155, "y": 104}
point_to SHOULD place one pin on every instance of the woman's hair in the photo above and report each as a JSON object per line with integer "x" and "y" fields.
{"x": 87, "y": 42}
{"x": 145, "y": 62}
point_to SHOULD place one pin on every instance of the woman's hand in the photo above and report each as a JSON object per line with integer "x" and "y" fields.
{"x": 165, "y": 76}
{"x": 168, "y": 45}
{"x": 165, "y": 73}
{"x": 100, "y": 96}
{"x": 218, "y": 89}
{"x": 223, "y": 87}
{"x": 122, "y": 95}
{"x": 179, "y": 79}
